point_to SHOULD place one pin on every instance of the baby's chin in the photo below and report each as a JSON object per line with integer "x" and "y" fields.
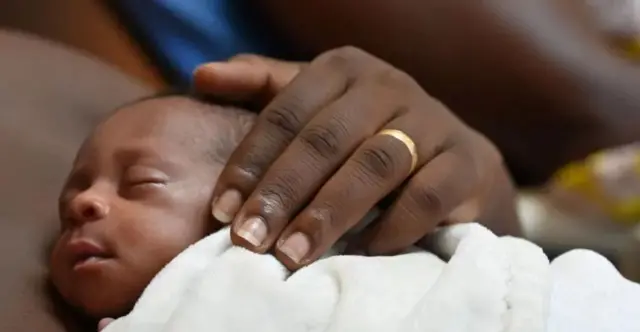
{"x": 110, "y": 291}
{"x": 113, "y": 306}
{"x": 102, "y": 300}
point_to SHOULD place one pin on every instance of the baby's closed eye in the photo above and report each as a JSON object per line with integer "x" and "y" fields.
{"x": 138, "y": 180}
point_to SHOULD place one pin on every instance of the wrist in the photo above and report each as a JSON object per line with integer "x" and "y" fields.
{"x": 598, "y": 109}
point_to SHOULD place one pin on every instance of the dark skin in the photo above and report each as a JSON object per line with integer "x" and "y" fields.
{"x": 138, "y": 194}
{"x": 141, "y": 187}
{"x": 313, "y": 165}
{"x": 538, "y": 78}
{"x": 512, "y": 72}
{"x": 140, "y": 190}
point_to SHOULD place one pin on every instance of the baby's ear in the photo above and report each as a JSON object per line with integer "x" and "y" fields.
{"x": 104, "y": 322}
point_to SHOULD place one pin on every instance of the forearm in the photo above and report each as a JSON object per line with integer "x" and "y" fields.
{"x": 525, "y": 73}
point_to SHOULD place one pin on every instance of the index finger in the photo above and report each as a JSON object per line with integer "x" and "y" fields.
{"x": 276, "y": 127}
{"x": 247, "y": 78}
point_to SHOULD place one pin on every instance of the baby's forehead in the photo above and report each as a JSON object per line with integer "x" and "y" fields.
{"x": 170, "y": 123}
{"x": 172, "y": 115}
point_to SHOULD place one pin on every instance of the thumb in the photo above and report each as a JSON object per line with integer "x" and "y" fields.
{"x": 245, "y": 78}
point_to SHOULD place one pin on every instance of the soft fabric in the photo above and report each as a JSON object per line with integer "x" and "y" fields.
{"x": 486, "y": 284}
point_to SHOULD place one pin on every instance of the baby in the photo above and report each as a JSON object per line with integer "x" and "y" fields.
{"x": 139, "y": 193}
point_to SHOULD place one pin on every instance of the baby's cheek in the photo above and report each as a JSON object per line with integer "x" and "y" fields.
{"x": 159, "y": 246}
{"x": 166, "y": 247}
{"x": 174, "y": 229}
{"x": 58, "y": 272}
{"x": 149, "y": 243}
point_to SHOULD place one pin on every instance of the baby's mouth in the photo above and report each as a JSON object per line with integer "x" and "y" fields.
{"x": 87, "y": 255}
{"x": 87, "y": 259}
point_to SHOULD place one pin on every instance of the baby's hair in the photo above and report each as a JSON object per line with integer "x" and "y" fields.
{"x": 237, "y": 121}
{"x": 207, "y": 99}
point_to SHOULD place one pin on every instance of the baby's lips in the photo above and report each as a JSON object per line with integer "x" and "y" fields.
{"x": 80, "y": 248}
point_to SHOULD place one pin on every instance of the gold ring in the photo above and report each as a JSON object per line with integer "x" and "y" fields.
{"x": 407, "y": 141}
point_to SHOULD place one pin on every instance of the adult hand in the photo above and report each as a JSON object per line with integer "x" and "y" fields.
{"x": 336, "y": 137}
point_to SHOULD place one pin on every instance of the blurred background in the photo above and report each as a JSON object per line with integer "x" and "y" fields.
{"x": 159, "y": 42}
{"x": 91, "y": 26}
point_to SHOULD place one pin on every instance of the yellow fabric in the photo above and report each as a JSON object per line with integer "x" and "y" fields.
{"x": 582, "y": 179}
{"x": 633, "y": 49}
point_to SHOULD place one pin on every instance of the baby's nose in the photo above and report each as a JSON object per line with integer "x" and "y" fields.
{"x": 88, "y": 207}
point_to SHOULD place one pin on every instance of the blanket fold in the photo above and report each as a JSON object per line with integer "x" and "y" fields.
{"x": 487, "y": 284}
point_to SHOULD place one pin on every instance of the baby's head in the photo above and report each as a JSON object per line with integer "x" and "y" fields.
{"x": 138, "y": 194}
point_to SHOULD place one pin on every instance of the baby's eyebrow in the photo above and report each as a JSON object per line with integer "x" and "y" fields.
{"x": 128, "y": 154}
{"x": 132, "y": 155}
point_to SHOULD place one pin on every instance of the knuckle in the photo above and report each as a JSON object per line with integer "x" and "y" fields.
{"x": 481, "y": 154}
{"x": 342, "y": 58}
{"x": 394, "y": 78}
{"x": 492, "y": 160}
{"x": 284, "y": 117}
{"x": 322, "y": 221}
{"x": 322, "y": 140}
{"x": 427, "y": 199}
{"x": 377, "y": 163}
{"x": 282, "y": 191}
{"x": 350, "y": 52}
{"x": 248, "y": 165}
{"x": 251, "y": 168}
{"x": 400, "y": 86}
{"x": 493, "y": 154}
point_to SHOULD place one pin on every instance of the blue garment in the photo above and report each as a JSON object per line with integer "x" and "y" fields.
{"x": 180, "y": 34}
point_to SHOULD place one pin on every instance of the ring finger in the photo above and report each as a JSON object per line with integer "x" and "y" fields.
{"x": 377, "y": 167}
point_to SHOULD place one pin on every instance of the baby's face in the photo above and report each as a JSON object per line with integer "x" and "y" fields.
{"x": 138, "y": 194}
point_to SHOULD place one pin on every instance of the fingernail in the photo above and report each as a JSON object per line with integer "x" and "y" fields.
{"x": 205, "y": 66}
{"x": 254, "y": 230}
{"x": 102, "y": 324}
{"x": 226, "y": 206}
{"x": 296, "y": 247}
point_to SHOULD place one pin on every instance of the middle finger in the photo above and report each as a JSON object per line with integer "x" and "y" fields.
{"x": 324, "y": 80}
{"x": 313, "y": 156}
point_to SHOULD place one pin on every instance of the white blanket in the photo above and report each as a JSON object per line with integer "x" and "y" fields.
{"x": 486, "y": 284}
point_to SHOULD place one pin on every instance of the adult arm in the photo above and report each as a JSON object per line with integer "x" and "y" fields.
{"x": 532, "y": 75}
